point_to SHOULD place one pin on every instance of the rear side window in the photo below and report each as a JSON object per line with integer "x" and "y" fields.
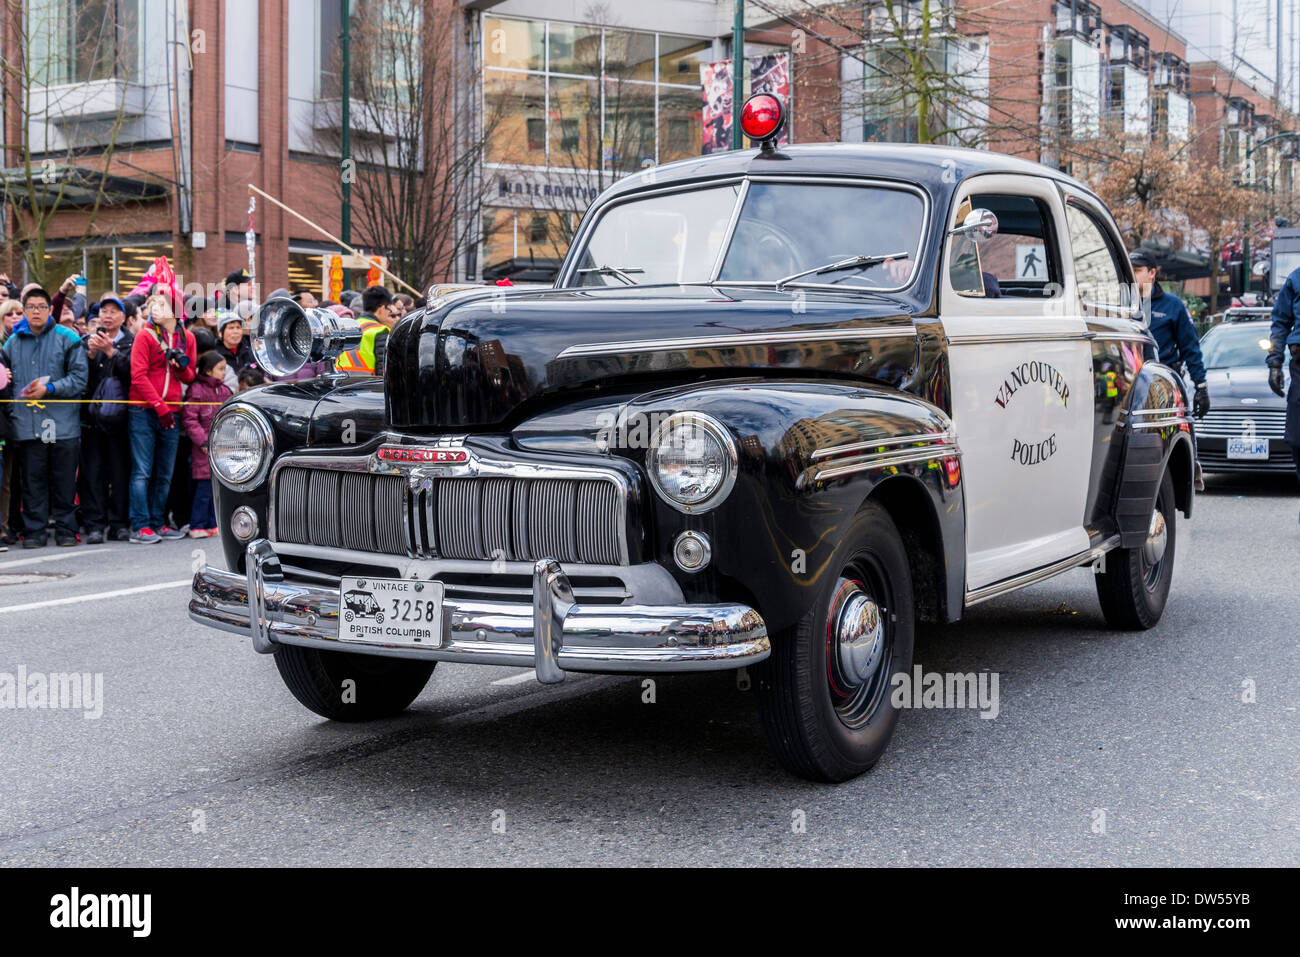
{"x": 1020, "y": 261}
{"x": 1097, "y": 268}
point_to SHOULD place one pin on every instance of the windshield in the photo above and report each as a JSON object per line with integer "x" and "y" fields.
{"x": 1243, "y": 346}
{"x": 669, "y": 238}
{"x": 784, "y": 228}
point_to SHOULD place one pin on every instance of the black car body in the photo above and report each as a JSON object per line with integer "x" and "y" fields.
{"x": 1244, "y": 429}
{"x": 877, "y": 443}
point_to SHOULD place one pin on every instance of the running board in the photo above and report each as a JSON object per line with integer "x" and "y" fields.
{"x": 1088, "y": 556}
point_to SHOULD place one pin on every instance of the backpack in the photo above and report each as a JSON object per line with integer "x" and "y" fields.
{"x": 108, "y": 404}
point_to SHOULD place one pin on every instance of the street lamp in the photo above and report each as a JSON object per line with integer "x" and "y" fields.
{"x": 1245, "y": 235}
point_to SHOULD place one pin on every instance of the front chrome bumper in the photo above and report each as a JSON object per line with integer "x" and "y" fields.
{"x": 553, "y": 635}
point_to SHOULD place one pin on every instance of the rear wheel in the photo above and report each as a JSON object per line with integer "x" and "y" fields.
{"x": 824, "y": 691}
{"x": 348, "y": 687}
{"x": 1135, "y": 585}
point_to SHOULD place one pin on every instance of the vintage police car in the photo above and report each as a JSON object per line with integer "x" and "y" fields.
{"x": 781, "y": 405}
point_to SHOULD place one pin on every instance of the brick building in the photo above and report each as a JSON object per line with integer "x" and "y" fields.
{"x": 562, "y": 99}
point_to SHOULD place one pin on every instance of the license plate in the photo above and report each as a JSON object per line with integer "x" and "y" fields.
{"x": 1251, "y": 449}
{"x": 390, "y": 611}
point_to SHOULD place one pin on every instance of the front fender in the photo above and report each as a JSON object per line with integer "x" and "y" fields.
{"x": 810, "y": 453}
{"x": 1157, "y": 437}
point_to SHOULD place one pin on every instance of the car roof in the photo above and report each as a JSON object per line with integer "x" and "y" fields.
{"x": 936, "y": 167}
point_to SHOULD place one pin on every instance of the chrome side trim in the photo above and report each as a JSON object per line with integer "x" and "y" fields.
{"x": 877, "y": 443}
{"x": 1041, "y": 574}
{"x": 714, "y": 342}
{"x": 863, "y": 463}
{"x": 1162, "y": 423}
{"x": 1120, "y": 336}
{"x": 1161, "y": 410}
{"x": 981, "y": 340}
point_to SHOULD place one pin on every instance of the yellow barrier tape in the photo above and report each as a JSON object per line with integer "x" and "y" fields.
{"x": 41, "y": 403}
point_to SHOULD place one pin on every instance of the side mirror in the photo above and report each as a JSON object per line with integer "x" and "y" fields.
{"x": 980, "y": 225}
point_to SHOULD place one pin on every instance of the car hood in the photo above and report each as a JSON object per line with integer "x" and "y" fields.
{"x": 485, "y": 359}
{"x": 1243, "y": 383}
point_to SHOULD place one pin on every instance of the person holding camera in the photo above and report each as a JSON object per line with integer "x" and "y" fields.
{"x": 163, "y": 360}
{"x": 105, "y": 448}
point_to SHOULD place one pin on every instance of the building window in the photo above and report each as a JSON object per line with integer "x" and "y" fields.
{"x": 589, "y": 97}
{"x": 537, "y": 229}
{"x": 536, "y": 132}
{"x": 78, "y": 41}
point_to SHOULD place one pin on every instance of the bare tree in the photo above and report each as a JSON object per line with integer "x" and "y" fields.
{"x": 66, "y": 80}
{"x": 415, "y": 171}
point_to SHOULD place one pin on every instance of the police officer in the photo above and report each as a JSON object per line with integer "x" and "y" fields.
{"x": 1170, "y": 324}
{"x": 1284, "y": 336}
{"x": 368, "y": 358}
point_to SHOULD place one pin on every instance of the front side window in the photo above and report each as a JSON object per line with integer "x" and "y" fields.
{"x": 1097, "y": 270}
{"x": 1018, "y": 261}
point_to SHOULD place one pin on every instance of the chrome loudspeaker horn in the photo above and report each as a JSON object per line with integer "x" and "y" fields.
{"x": 286, "y": 336}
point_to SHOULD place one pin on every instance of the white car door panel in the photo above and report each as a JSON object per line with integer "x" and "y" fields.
{"x": 1022, "y": 409}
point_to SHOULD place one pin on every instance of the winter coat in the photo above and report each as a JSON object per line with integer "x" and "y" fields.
{"x": 155, "y": 381}
{"x": 100, "y": 367}
{"x": 5, "y": 407}
{"x": 197, "y": 420}
{"x": 56, "y": 352}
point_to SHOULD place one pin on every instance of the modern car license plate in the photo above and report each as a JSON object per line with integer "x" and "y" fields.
{"x": 1250, "y": 449}
{"x": 390, "y": 611}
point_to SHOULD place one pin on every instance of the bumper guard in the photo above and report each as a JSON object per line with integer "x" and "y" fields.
{"x": 553, "y": 635}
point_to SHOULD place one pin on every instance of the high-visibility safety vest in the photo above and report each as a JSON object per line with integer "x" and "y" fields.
{"x": 361, "y": 360}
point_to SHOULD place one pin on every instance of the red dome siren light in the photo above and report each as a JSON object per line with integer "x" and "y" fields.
{"x": 762, "y": 118}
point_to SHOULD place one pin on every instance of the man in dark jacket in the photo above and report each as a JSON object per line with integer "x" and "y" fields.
{"x": 48, "y": 362}
{"x": 105, "y": 447}
{"x": 1284, "y": 336}
{"x": 1170, "y": 324}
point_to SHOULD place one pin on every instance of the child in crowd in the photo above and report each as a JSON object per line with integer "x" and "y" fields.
{"x": 208, "y": 387}
{"x": 251, "y": 378}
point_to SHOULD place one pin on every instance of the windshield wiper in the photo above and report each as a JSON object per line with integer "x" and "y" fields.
{"x": 856, "y": 262}
{"x": 620, "y": 272}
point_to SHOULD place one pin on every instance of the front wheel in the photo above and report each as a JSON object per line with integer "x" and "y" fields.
{"x": 1135, "y": 585}
{"x": 343, "y": 686}
{"x": 824, "y": 693}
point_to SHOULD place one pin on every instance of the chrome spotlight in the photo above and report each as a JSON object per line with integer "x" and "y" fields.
{"x": 286, "y": 336}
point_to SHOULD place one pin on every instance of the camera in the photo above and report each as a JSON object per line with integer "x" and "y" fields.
{"x": 178, "y": 356}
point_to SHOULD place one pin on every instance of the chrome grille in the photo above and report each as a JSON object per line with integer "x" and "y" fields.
{"x": 1231, "y": 423}
{"x": 484, "y": 518}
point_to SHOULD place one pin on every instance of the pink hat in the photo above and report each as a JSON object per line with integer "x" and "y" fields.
{"x": 343, "y": 311}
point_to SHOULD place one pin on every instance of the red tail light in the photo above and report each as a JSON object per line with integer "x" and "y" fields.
{"x": 762, "y": 116}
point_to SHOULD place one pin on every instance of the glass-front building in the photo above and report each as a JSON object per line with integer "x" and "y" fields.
{"x": 567, "y": 110}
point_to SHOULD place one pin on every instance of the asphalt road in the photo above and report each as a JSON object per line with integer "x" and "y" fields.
{"x": 202, "y": 757}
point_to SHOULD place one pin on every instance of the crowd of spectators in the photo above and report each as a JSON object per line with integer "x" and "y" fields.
{"x": 106, "y": 404}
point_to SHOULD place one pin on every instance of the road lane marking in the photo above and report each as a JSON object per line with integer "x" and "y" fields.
{"x": 31, "y": 606}
{"x": 53, "y": 558}
{"x": 517, "y": 679}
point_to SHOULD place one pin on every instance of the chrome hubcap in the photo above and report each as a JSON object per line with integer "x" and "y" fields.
{"x": 1153, "y": 549}
{"x": 859, "y": 637}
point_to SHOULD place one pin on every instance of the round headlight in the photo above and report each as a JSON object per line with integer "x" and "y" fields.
{"x": 239, "y": 447}
{"x": 692, "y": 462}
